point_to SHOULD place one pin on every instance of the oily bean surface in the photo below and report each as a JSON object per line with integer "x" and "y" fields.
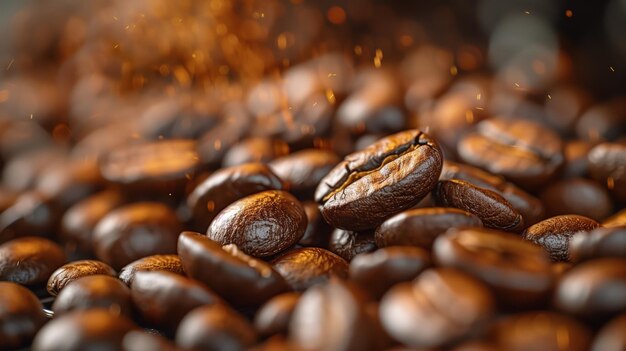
{"x": 607, "y": 164}
{"x": 274, "y": 316}
{"x": 303, "y": 170}
{"x": 305, "y": 267}
{"x": 30, "y": 260}
{"x": 75, "y": 270}
{"x": 94, "y": 291}
{"x": 21, "y": 315}
{"x": 598, "y": 243}
{"x": 577, "y": 196}
{"x": 348, "y": 244}
{"x": 168, "y": 263}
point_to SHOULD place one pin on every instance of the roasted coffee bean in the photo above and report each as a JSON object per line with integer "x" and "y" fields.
{"x": 598, "y": 243}
{"x": 493, "y": 210}
{"x": 262, "y": 224}
{"x": 31, "y": 213}
{"x": 303, "y": 170}
{"x": 389, "y": 176}
{"x": 520, "y": 150}
{"x": 577, "y": 196}
{"x": 261, "y": 150}
{"x": 309, "y": 122}
{"x": 611, "y": 337}
{"x": 214, "y": 327}
{"x": 174, "y": 119}
{"x": 21, "y": 316}
{"x": 274, "y": 316}
{"x": 94, "y": 291}
{"x": 576, "y": 162}
{"x": 439, "y": 307}
{"x": 594, "y": 289}
{"x": 420, "y": 227}
{"x": 553, "y": 234}
{"x": 95, "y": 329}
{"x": 136, "y": 340}
{"x": 237, "y": 277}
{"x": 234, "y": 126}
{"x": 226, "y": 186}
{"x": 276, "y": 343}
{"x": 21, "y": 172}
{"x": 305, "y": 267}
{"x": 378, "y": 271}
{"x": 348, "y": 244}
{"x": 607, "y": 164}
{"x": 603, "y": 121}
{"x": 317, "y": 231}
{"x": 164, "y": 298}
{"x": 541, "y": 330}
{"x": 168, "y": 263}
{"x": 134, "y": 231}
{"x": 499, "y": 259}
{"x": 30, "y": 260}
{"x": 70, "y": 181}
{"x": 616, "y": 220}
{"x": 560, "y": 268}
{"x": 75, "y": 270}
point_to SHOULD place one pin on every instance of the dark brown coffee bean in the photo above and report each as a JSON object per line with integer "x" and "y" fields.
{"x": 174, "y": 119}
{"x": 603, "y": 121}
{"x": 492, "y": 209}
{"x": 594, "y": 289}
{"x": 70, "y": 181}
{"x": 317, "y": 231}
{"x": 136, "y": 340}
{"x": 30, "y": 260}
{"x": 577, "y": 196}
{"x": 274, "y": 316}
{"x": 262, "y": 224}
{"x": 616, "y": 220}
{"x": 94, "y": 291}
{"x": 305, "y": 124}
{"x": 276, "y": 343}
{"x": 168, "y": 263}
{"x": 553, "y": 234}
{"x": 75, "y": 270}
{"x": 226, "y": 186}
{"x": 439, "y": 307}
{"x": 607, "y": 163}
{"x": 576, "y": 162}
{"x": 499, "y": 259}
{"x": 134, "y": 231}
{"x": 31, "y": 213}
{"x": 378, "y": 271}
{"x": 611, "y": 337}
{"x": 235, "y": 276}
{"x": 234, "y": 126}
{"x": 164, "y": 298}
{"x": 348, "y": 244}
{"x": 303, "y": 170}
{"x": 389, "y": 176}
{"x": 420, "y": 227}
{"x": 214, "y": 327}
{"x": 305, "y": 267}
{"x": 22, "y": 171}
{"x": 21, "y": 316}
{"x": 598, "y": 243}
{"x": 95, "y": 329}
{"x": 520, "y": 150}
{"x": 260, "y": 150}
{"x": 546, "y": 331}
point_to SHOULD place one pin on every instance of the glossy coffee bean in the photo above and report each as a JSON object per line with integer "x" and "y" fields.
{"x": 94, "y": 291}
{"x": 234, "y": 126}
{"x": 348, "y": 244}
{"x": 577, "y": 196}
{"x": 167, "y": 263}
{"x": 378, "y": 271}
{"x": 75, "y": 270}
{"x": 317, "y": 231}
{"x": 499, "y": 259}
{"x": 493, "y": 210}
{"x": 31, "y": 213}
{"x": 21, "y": 172}
{"x": 134, "y": 231}
{"x": 616, "y": 220}
{"x": 262, "y": 224}
{"x": 30, "y": 260}
{"x": 607, "y": 164}
{"x": 553, "y": 234}
{"x": 21, "y": 316}
{"x": 420, "y": 227}
{"x": 611, "y": 337}
{"x": 261, "y": 150}
{"x": 305, "y": 267}
{"x": 70, "y": 181}
{"x": 226, "y": 186}
{"x": 95, "y": 329}
{"x": 214, "y": 327}
{"x": 541, "y": 330}
{"x": 303, "y": 170}
{"x": 576, "y": 162}
{"x": 440, "y": 306}
{"x": 594, "y": 289}
{"x": 520, "y": 150}
{"x": 136, "y": 340}
{"x": 274, "y": 316}
{"x": 598, "y": 243}
{"x": 235, "y": 276}
{"x": 387, "y": 177}
{"x": 164, "y": 298}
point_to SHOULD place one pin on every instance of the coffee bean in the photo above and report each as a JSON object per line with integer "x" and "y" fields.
{"x": 21, "y": 316}
{"x": 378, "y": 271}
{"x": 440, "y": 306}
{"x": 235, "y": 276}
{"x": 23, "y": 170}
{"x": 30, "y": 213}
{"x": 94, "y": 291}
{"x": 260, "y": 150}
{"x": 226, "y": 186}
{"x": 553, "y": 234}
{"x": 30, "y": 260}
{"x": 616, "y": 220}
{"x": 420, "y": 227}
{"x": 168, "y": 263}
{"x": 234, "y": 126}
{"x": 598, "y": 243}
{"x": 134, "y": 231}
{"x": 274, "y": 316}
{"x": 607, "y": 164}
{"x": 492, "y": 209}
{"x": 499, "y": 259}
{"x": 262, "y": 224}
{"x": 577, "y": 196}
{"x": 389, "y": 176}
{"x": 611, "y": 337}
{"x": 317, "y": 231}
{"x": 348, "y": 244}
{"x": 576, "y": 162}
{"x": 95, "y": 329}
{"x": 276, "y": 343}
{"x": 594, "y": 289}
{"x": 214, "y": 327}
{"x": 303, "y": 170}
{"x": 136, "y": 340}
{"x": 305, "y": 267}
{"x": 70, "y": 181}
{"x": 602, "y": 121}
{"x": 75, "y": 270}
